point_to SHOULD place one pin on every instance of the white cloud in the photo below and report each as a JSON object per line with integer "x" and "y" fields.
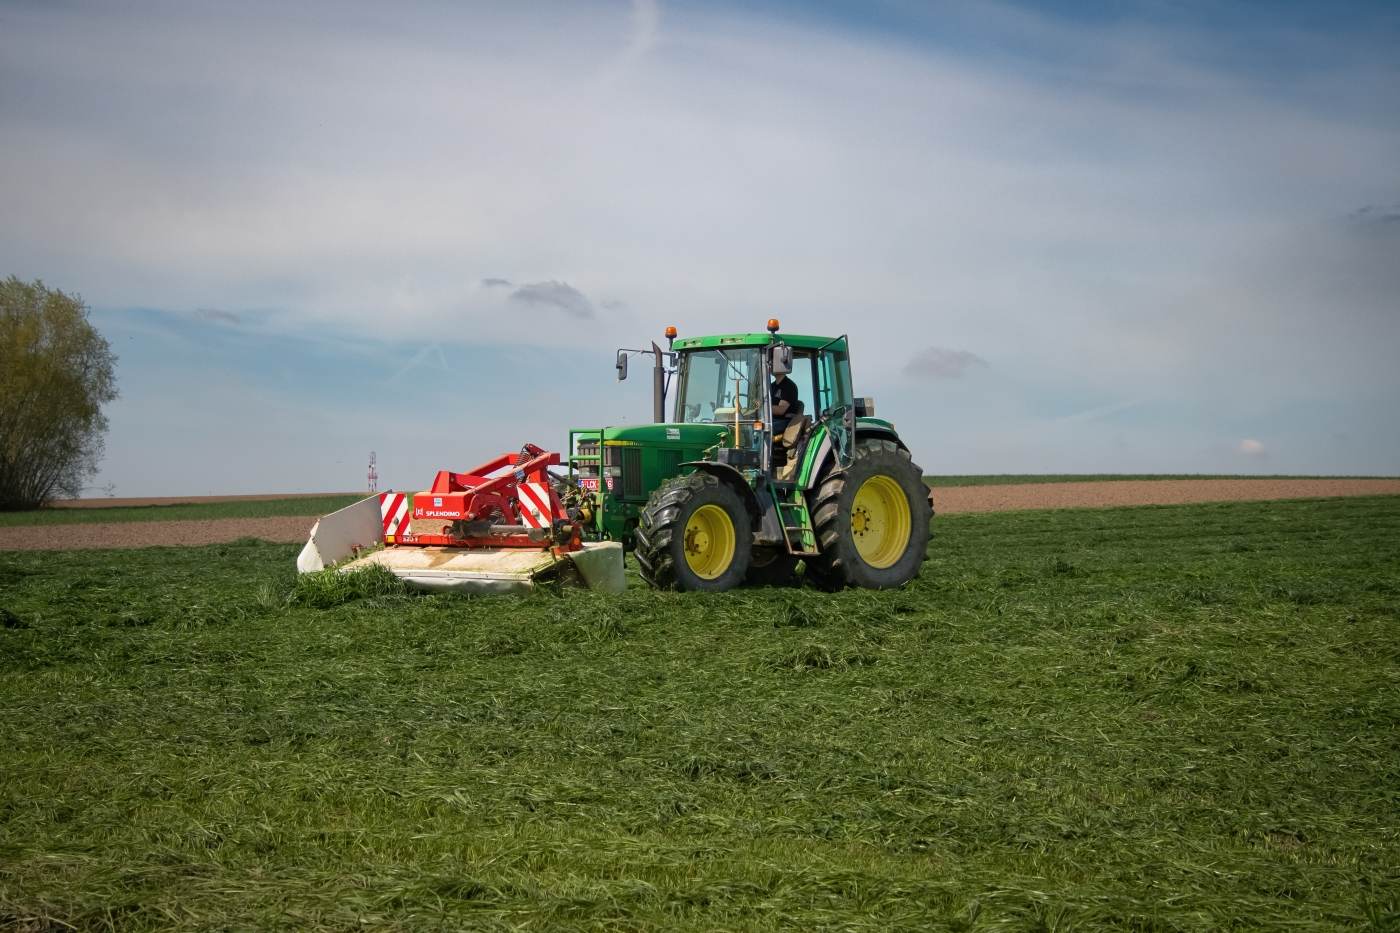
{"x": 941, "y": 363}
{"x": 1112, "y": 218}
{"x": 1251, "y": 448}
{"x": 734, "y": 163}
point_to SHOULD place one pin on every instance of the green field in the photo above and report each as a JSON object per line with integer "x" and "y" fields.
{"x": 1173, "y": 718}
{"x": 189, "y": 511}
{"x": 320, "y": 505}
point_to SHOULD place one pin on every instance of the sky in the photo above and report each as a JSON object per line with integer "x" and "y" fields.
{"x": 1070, "y": 237}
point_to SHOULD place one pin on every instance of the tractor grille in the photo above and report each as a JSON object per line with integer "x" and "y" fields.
{"x": 589, "y": 470}
{"x": 668, "y": 462}
{"x": 632, "y": 471}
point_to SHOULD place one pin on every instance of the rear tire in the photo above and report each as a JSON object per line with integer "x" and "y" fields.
{"x": 695, "y": 534}
{"x": 871, "y": 520}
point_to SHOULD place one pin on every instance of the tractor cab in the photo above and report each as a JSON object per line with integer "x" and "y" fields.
{"x": 726, "y": 381}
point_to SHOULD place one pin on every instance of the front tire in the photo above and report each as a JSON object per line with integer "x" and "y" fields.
{"x": 871, "y": 520}
{"x": 695, "y": 534}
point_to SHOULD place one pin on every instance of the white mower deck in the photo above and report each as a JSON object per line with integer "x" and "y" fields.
{"x": 336, "y": 539}
{"x": 497, "y": 570}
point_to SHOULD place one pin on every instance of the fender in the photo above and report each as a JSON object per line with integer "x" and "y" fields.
{"x": 823, "y": 455}
{"x": 732, "y": 478}
{"x": 880, "y": 433}
{"x": 767, "y": 527}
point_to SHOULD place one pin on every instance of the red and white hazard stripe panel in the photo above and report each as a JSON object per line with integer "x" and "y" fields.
{"x": 536, "y": 504}
{"x": 394, "y": 511}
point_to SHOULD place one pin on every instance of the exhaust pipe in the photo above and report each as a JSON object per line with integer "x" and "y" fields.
{"x": 658, "y": 386}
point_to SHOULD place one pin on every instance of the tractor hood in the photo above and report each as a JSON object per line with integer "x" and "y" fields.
{"x": 654, "y": 434}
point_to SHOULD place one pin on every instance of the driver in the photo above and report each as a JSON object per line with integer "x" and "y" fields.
{"x": 783, "y": 395}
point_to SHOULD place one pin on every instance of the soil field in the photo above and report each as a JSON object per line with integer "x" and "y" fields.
{"x": 947, "y": 501}
{"x": 1149, "y": 492}
{"x": 283, "y": 529}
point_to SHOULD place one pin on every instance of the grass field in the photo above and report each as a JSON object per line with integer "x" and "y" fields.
{"x": 196, "y": 511}
{"x": 320, "y": 505}
{"x": 1175, "y": 718}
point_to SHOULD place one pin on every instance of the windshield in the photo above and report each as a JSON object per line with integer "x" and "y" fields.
{"x": 708, "y": 380}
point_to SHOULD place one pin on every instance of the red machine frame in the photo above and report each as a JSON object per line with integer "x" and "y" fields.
{"x": 505, "y": 502}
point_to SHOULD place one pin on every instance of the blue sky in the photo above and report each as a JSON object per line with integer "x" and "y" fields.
{"x": 1067, "y": 237}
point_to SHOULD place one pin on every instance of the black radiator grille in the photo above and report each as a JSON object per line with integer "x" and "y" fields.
{"x": 632, "y": 471}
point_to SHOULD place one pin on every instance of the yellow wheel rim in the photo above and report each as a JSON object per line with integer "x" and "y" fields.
{"x": 880, "y": 521}
{"x": 709, "y": 542}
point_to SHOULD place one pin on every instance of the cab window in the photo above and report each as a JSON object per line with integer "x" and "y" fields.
{"x": 709, "y": 380}
{"x": 804, "y": 376}
{"x": 835, "y": 387}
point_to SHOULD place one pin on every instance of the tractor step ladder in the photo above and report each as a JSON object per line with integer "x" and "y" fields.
{"x": 798, "y": 532}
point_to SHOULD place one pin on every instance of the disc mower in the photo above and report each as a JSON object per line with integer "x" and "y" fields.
{"x": 498, "y": 528}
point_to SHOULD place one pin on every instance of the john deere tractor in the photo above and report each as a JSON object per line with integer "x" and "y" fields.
{"x": 714, "y": 497}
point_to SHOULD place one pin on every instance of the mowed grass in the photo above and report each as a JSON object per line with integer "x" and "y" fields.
{"x": 1175, "y": 718}
{"x": 187, "y": 511}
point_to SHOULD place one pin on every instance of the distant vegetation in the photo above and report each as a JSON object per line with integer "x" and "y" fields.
{"x": 1169, "y": 718}
{"x": 56, "y": 373}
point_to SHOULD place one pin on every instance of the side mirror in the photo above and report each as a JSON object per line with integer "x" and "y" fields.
{"x": 782, "y": 359}
{"x": 621, "y": 365}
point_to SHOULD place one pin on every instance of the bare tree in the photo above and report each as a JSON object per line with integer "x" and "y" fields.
{"x": 56, "y": 373}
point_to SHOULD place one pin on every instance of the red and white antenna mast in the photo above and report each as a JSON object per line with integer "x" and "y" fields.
{"x": 373, "y": 473}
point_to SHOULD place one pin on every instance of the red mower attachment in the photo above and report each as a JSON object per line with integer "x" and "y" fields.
{"x": 499, "y": 528}
{"x": 505, "y": 502}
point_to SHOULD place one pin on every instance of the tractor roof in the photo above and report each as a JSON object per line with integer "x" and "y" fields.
{"x": 799, "y": 341}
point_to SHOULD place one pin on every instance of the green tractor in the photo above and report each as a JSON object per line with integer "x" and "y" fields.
{"x": 714, "y": 497}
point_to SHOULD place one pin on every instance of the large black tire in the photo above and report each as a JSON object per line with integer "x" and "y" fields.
{"x": 884, "y": 469}
{"x": 772, "y": 566}
{"x": 677, "y": 549}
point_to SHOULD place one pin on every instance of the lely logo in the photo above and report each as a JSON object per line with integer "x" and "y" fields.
{"x": 437, "y": 502}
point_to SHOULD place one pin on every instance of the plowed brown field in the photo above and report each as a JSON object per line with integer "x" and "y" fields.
{"x": 1149, "y": 492}
{"x": 151, "y": 534}
{"x": 948, "y": 500}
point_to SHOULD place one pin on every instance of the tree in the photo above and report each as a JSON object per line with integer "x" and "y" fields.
{"x": 56, "y": 373}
